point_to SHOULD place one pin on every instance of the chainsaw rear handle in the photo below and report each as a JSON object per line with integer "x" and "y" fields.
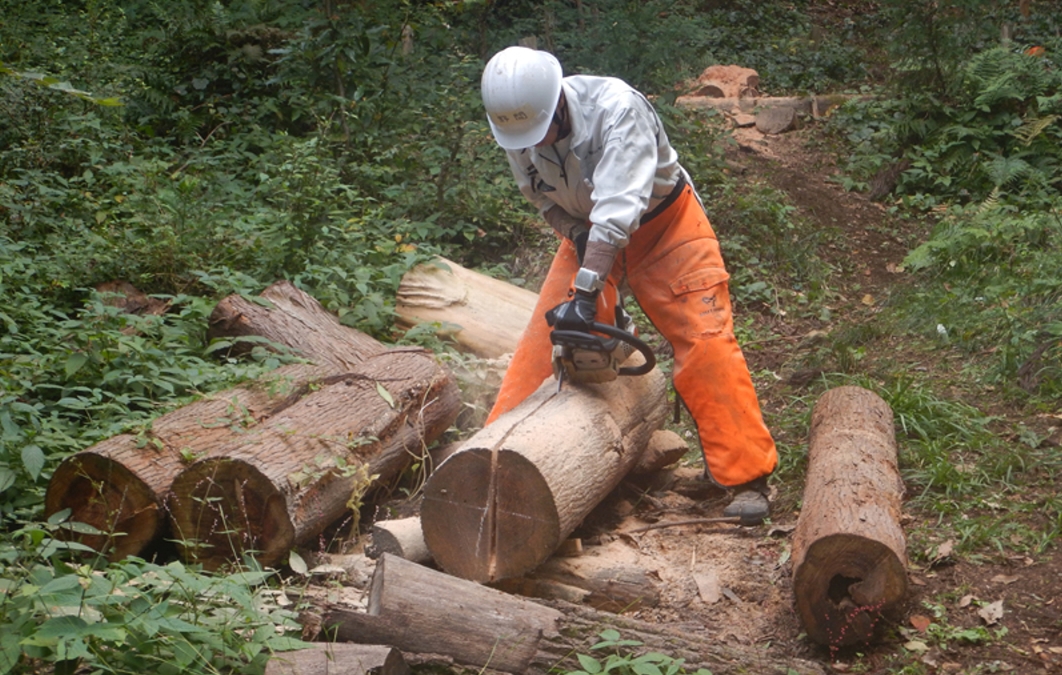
{"x": 620, "y": 334}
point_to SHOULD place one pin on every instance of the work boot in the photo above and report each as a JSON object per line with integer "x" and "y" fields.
{"x": 750, "y": 502}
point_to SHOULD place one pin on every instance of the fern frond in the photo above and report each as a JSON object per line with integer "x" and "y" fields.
{"x": 1032, "y": 128}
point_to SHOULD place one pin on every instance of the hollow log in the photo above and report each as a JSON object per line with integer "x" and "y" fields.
{"x": 290, "y": 318}
{"x": 499, "y": 506}
{"x": 117, "y": 486}
{"x": 339, "y": 659}
{"x": 425, "y": 612}
{"x": 849, "y": 550}
{"x": 282, "y": 482}
{"x": 485, "y": 316}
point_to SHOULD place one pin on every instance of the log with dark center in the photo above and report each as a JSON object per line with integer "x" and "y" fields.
{"x": 282, "y": 482}
{"x": 849, "y": 550}
{"x": 500, "y": 505}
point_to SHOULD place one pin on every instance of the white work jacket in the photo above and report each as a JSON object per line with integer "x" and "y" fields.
{"x": 614, "y": 166}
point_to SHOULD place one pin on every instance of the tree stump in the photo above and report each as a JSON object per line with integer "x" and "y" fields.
{"x": 282, "y": 482}
{"x": 500, "y": 505}
{"x": 849, "y": 550}
{"x": 424, "y": 612}
{"x": 485, "y": 316}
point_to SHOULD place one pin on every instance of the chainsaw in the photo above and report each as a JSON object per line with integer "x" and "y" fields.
{"x": 588, "y": 357}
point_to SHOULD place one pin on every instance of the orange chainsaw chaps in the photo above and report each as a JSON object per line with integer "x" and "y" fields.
{"x": 532, "y": 361}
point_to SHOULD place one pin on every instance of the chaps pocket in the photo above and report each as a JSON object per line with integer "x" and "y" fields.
{"x": 705, "y": 297}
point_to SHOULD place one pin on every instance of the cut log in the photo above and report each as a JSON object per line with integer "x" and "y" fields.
{"x": 849, "y": 550}
{"x": 485, "y": 316}
{"x": 499, "y": 506}
{"x": 401, "y": 537}
{"x": 664, "y": 449}
{"x": 595, "y": 581}
{"x": 422, "y": 612}
{"x": 339, "y": 659}
{"x": 282, "y": 482}
{"x": 117, "y": 486}
{"x": 290, "y": 318}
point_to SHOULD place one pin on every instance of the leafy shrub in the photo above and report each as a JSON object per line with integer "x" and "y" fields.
{"x": 133, "y": 616}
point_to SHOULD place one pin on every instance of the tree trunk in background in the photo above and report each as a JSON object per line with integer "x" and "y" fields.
{"x": 849, "y": 550}
{"x": 424, "y": 612}
{"x": 283, "y": 481}
{"x": 500, "y": 506}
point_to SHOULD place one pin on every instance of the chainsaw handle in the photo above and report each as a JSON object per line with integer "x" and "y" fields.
{"x": 619, "y": 334}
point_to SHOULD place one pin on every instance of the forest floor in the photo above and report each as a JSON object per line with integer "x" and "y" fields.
{"x": 735, "y": 583}
{"x": 751, "y": 565}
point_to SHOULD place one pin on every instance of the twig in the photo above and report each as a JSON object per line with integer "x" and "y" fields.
{"x": 691, "y": 521}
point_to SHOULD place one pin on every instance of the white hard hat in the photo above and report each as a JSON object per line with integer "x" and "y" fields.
{"x": 520, "y": 88}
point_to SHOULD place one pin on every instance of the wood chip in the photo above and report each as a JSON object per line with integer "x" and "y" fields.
{"x": 708, "y": 586}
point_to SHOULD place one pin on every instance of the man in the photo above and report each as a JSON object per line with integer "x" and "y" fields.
{"x": 592, "y": 155}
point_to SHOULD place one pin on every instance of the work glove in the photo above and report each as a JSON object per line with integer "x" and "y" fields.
{"x": 577, "y": 314}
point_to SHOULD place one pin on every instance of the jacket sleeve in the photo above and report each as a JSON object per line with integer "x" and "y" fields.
{"x": 623, "y": 177}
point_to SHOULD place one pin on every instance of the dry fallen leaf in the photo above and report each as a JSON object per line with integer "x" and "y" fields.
{"x": 708, "y": 586}
{"x": 991, "y": 613}
{"x": 921, "y": 622}
{"x": 893, "y": 268}
{"x": 965, "y": 600}
{"x": 1004, "y": 579}
{"x": 916, "y": 646}
{"x": 868, "y": 299}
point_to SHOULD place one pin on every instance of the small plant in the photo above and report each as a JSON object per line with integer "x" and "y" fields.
{"x": 624, "y": 663}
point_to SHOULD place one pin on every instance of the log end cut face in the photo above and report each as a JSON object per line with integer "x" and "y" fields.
{"x": 102, "y": 493}
{"x": 844, "y": 588}
{"x": 489, "y": 515}
{"x": 223, "y": 508}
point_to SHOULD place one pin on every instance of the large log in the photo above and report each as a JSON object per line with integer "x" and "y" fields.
{"x": 282, "y": 482}
{"x": 118, "y": 485}
{"x": 500, "y": 505}
{"x": 849, "y": 551}
{"x": 424, "y": 612}
{"x": 485, "y": 316}
{"x": 290, "y": 318}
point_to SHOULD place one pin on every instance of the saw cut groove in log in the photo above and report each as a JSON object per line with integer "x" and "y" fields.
{"x": 499, "y": 506}
{"x": 424, "y": 612}
{"x": 849, "y": 550}
{"x": 294, "y": 319}
{"x": 118, "y": 485}
{"x": 282, "y": 482}
{"x": 485, "y": 316}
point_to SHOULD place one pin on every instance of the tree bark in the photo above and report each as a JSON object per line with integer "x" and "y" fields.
{"x": 423, "y": 612}
{"x": 339, "y": 659}
{"x": 849, "y": 550}
{"x": 293, "y": 320}
{"x": 282, "y": 482}
{"x": 484, "y": 315}
{"x": 502, "y": 504}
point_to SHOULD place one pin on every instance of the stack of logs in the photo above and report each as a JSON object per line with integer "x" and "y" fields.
{"x": 270, "y": 465}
